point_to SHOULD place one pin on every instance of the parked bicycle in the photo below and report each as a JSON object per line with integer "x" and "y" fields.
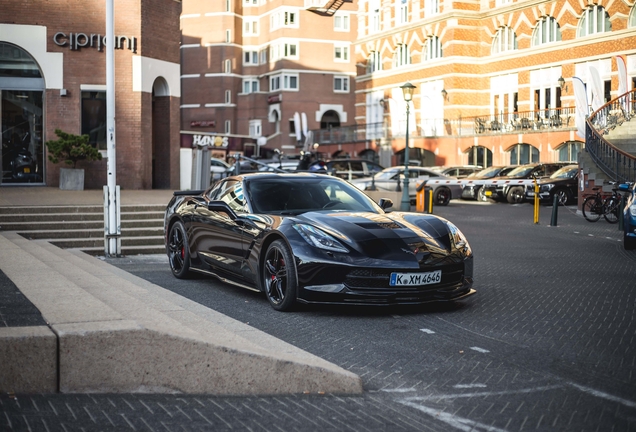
{"x": 597, "y": 205}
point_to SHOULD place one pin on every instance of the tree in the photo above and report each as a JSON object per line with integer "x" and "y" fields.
{"x": 71, "y": 148}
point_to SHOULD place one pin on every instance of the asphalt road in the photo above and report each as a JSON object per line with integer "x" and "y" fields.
{"x": 546, "y": 344}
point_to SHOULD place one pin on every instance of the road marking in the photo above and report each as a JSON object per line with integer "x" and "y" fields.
{"x": 427, "y": 331}
{"x": 463, "y": 424}
{"x": 399, "y": 390}
{"x": 481, "y": 350}
{"x": 477, "y": 394}
{"x": 466, "y": 386}
{"x": 603, "y": 395}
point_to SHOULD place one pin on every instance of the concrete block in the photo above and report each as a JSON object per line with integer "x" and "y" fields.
{"x": 71, "y": 179}
{"x": 28, "y": 360}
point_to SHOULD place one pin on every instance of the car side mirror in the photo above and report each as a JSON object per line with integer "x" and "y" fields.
{"x": 385, "y": 203}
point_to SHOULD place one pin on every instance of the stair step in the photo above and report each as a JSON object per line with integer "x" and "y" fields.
{"x": 127, "y": 250}
{"x": 78, "y": 209}
{"x": 64, "y": 217}
{"x": 93, "y": 242}
{"x": 92, "y": 233}
{"x": 97, "y": 224}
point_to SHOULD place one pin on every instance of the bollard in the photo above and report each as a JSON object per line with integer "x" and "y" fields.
{"x": 555, "y": 211}
{"x": 621, "y": 214}
{"x": 536, "y": 202}
{"x": 420, "y": 197}
{"x": 429, "y": 199}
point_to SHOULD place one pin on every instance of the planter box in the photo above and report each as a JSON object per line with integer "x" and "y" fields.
{"x": 71, "y": 179}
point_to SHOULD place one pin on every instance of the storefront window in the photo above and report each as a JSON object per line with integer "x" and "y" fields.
{"x": 94, "y": 117}
{"x": 21, "y": 97}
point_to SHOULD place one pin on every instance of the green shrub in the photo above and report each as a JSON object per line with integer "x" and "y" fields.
{"x": 71, "y": 148}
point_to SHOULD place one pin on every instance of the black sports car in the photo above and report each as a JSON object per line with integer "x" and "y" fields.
{"x": 314, "y": 238}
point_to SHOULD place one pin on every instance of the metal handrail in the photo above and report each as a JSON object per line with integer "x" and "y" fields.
{"x": 614, "y": 162}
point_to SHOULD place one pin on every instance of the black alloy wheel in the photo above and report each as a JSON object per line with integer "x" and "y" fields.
{"x": 279, "y": 276}
{"x": 179, "y": 251}
{"x": 516, "y": 195}
{"x": 564, "y": 196}
{"x": 442, "y": 196}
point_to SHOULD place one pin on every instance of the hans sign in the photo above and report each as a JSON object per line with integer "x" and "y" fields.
{"x": 209, "y": 141}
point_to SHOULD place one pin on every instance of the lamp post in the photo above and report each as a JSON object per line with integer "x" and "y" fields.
{"x": 407, "y": 90}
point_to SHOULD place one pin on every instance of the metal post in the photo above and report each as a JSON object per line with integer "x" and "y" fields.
{"x": 112, "y": 204}
{"x": 406, "y": 199}
{"x": 555, "y": 211}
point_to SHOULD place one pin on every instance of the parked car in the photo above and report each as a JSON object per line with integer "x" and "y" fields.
{"x": 389, "y": 178}
{"x": 308, "y": 238}
{"x": 514, "y": 193}
{"x": 347, "y": 169}
{"x": 629, "y": 215}
{"x": 564, "y": 183}
{"x": 459, "y": 172}
{"x": 472, "y": 191}
{"x": 218, "y": 169}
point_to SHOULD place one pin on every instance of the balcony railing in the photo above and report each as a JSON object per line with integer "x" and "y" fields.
{"x": 614, "y": 162}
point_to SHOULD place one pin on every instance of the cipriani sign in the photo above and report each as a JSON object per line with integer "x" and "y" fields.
{"x": 76, "y": 41}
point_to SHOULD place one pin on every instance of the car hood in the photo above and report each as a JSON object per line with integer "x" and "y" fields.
{"x": 557, "y": 181}
{"x": 390, "y": 236}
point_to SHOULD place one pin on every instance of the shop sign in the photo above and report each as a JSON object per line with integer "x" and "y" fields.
{"x": 274, "y": 98}
{"x": 75, "y": 41}
{"x": 203, "y": 123}
{"x": 210, "y": 141}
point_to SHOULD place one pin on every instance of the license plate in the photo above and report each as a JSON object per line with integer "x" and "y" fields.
{"x": 27, "y": 170}
{"x": 530, "y": 193}
{"x": 415, "y": 279}
{"x": 488, "y": 193}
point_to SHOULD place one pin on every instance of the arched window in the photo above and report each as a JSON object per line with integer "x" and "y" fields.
{"x": 505, "y": 40}
{"x": 401, "y": 57}
{"x": 374, "y": 62}
{"x": 401, "y": 12}
{"x": 632, "y": 17}
{"x": 546, "y": 31}
{"x": 432, "y": 48}
{"x": 594, "y": 20}
{"x": 522, "y": 154}
{"x": 479, "y": 155}
{"x": 569, "y": 151}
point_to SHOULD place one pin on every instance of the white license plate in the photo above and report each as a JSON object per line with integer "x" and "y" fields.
{"x": 415, "y": 279}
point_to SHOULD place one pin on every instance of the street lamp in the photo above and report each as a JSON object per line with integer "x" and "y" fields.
{"x": 407, "y": 90}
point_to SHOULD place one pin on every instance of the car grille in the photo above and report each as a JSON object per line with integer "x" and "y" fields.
{"x": 377, "y": 280}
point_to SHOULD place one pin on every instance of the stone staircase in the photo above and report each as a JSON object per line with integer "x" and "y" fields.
{"x": 82, "y": 227}
{"x": 624, "y": 136}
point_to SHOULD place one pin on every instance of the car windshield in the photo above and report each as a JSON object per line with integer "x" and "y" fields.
{"x": 486, "y": 172}
{"x": 387, "y": 174}
{"x": 521, "y": 171}
{"x": 296, "y": 195}
{"x": 565, "y": 172}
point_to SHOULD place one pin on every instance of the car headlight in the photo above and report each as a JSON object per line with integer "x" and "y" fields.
{"x": 547, "y": 186}
{"x": 632, "y": 209}
{"x": 319, "y": 239}
{"x": 458, "y": 238}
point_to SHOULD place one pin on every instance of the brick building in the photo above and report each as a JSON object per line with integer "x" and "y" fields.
{"x": 495, "y": 78}
{"x": 259, "y": 75}
{"x": 53, "y": 76}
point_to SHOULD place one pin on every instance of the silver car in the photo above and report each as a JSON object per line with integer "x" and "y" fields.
{"x": 389, "y": 178}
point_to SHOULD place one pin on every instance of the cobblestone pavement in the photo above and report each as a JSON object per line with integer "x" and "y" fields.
{"x": 546, "y": 344}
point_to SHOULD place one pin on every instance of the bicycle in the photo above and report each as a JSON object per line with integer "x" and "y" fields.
{"x": 598, "y": 205}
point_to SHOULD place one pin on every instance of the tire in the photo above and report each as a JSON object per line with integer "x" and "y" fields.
{"x": 592, "y": 208}
{"x": 481, "y": 196}
{"x": 515, "y": 195}
{"x": 442, "y": 196}
{"x": 564, "y": 196}
{"x": 279, "y": 280}
{"x": 611, "y": 207}
{"x": 178, "y": 251}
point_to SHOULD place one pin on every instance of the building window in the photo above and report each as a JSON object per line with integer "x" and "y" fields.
{"x": 228, "y": 96}
{"x": 290, "y": 82}
{"x": 250, "y": 58}
{"x": 341, "y": 53}
{"x": 505, "y": 40}
{"x": 255, "y": 128}
{"x": 522, "y": 154}
{"x": 341, "y": 84}
{"x": 432, "y": 49}
{"x": 264, "y": 56}
{"x": 228, "y": 5}
{"x": 250, "y": 2}
{"x": 283, "y": 50}
{"x": 502, "y": 2}
{"x": 341, "y": 22}
{"x": 632, "y": 17}
{"x": 274, "y": 83}
{"x": 250, "y": 85}
{"x": 375, "y": 18}
{"x": 569, "y": 151}
{"x": 228, "y": 126}
{"x": 401, "y": 12}
{"x": 431, "y": 7}
{"x": 374, "y": 62}
{"x": 594, "y": 20}
{"x": 227, "y": 66}
{"x": 401, "y": 56}
{"x": 250, "y": 26}
{"x": 283, "y": 19}
{"x": 228, "y": 36}
{"x": 546, "y": 31}
{"x": 94, "y": 117}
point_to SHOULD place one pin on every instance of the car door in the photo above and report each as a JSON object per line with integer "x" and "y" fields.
{"x": 219, "y": 239}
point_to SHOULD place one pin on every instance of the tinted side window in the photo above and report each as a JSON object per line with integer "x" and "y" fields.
{"x": 233, "y": 196}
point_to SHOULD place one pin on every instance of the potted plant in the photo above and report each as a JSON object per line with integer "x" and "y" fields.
{"x": 70, "y": 149}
